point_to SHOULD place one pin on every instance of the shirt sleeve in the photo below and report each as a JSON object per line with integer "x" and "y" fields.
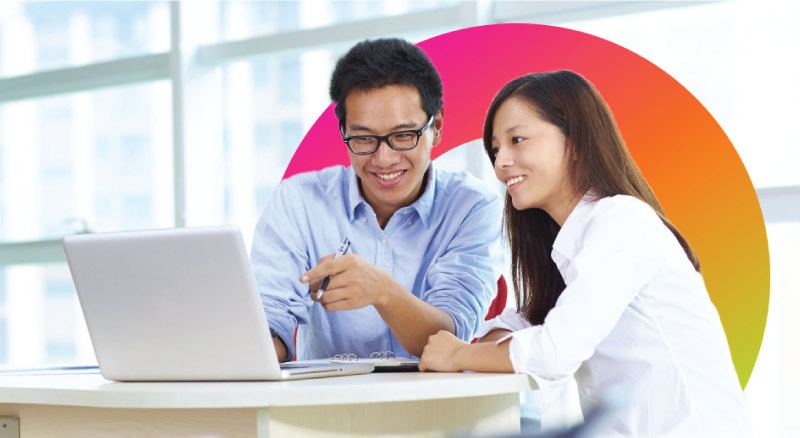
{"x": 463, "y": 281}
{"x": 616, "y": 258}
{"x": 510, "y": 320}
{"x": 279, "y": 256}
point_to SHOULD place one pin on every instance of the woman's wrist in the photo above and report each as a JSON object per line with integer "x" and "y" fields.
{"x": 461, "y": 357}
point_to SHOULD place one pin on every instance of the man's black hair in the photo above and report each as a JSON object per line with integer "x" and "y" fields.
{"x": 373, "y": 64}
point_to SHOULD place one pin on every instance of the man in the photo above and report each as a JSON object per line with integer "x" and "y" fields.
{"x": 424, "y": 242}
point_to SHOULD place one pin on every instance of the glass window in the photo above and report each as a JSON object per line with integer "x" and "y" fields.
{"x": 262, "y": 135}
{"x": 732, "y": 56}
{"x": 3, "y": 340}
{"x": 247, "y": 19}
{"x": 51, "y": 34}
{"x": 291, "y": 134}
{"x": 103, "y": 158}
{"x": 772, "y": 390}
{"x": 266, "y": 112}
{"x": 291, "y": 89}
{"x": 40, "y": 317}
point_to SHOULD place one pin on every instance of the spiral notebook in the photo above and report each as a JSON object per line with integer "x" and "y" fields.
{"x": 384, "y": 361}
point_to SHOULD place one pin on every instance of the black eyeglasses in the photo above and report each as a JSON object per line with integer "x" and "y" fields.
{"x": 399, "y": 141}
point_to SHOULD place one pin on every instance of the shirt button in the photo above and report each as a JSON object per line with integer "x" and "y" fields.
{"x": 383, "y": 241}
{"x": 410, "y": 222}
{"x": 363, "y": 219}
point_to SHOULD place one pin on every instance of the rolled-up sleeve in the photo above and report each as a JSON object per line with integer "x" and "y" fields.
{"x": 279, "y": 258}
{"x": 463, "y": 280}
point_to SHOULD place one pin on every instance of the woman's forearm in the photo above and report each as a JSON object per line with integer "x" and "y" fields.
{"x": 445, "y": 352}
{"x": 485, "y": 357}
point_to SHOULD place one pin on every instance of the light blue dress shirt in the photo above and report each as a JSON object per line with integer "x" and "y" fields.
{"x": 444, "y": 248}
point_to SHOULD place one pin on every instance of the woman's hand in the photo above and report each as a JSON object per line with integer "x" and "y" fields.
{"x": 440, "y": 353}
{"x": 445, "y": 352}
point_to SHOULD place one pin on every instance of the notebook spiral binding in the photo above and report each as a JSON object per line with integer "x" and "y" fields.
{"x": 350, "y": 357}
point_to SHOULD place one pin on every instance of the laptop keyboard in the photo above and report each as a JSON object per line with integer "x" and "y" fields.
{"x": 294, "y": 366}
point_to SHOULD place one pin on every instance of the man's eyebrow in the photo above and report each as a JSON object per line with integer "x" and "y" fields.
{"x": 405, "y": 126}
{"x": 401, "y": 127}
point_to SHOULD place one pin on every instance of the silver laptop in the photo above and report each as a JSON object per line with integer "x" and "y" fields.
{"x": 178, "y": 304}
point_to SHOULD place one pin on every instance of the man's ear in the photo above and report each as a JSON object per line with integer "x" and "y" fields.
{"x": 438, "y": 123}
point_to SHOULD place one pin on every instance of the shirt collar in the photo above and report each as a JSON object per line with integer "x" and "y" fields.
{"x": 423, "y": 205}
{"x": 568, "y": 237}
{"x": 354, "y": 198}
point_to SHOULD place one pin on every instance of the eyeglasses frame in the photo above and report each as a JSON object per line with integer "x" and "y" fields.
{"x": 385, "y": 138}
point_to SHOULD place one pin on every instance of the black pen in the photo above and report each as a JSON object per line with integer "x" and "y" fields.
{"x": 339, "y": 252}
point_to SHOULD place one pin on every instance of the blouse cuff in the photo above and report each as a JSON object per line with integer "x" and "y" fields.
{"x": 519, "y": 351}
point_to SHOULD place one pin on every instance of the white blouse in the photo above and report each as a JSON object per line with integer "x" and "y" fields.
{"x": 635, "y": 314}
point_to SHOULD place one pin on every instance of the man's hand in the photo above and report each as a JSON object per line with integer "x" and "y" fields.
{"x": 315, "y": 283}
{"x": 354, "y": 283}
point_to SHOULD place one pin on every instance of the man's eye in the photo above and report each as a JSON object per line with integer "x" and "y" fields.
{"x": 361, "y": 140}
{"x": 403, "y": 135}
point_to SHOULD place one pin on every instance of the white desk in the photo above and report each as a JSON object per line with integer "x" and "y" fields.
{"x": 383, "y": 404}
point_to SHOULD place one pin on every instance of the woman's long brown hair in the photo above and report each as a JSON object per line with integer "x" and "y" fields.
{"x": 603, "y": 164}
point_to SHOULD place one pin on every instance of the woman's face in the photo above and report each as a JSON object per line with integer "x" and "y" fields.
{"x": 531, "y": 159}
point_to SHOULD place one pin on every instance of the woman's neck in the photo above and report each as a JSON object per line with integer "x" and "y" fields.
{"x": 561, "y": 210}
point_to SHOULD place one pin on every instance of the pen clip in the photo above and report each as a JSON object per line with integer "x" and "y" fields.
{"x": 343, "y": 247}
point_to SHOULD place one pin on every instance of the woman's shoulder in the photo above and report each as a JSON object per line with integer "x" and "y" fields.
{"x": 624, "y": 211}
{"x": 614, "y": 219}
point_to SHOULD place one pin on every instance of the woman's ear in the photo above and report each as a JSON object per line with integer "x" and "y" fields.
{"x": 570, "y": 154}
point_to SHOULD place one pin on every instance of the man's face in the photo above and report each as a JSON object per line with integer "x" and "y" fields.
{"x": 390, "y": 179}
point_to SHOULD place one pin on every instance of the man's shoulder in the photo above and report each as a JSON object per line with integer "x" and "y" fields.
{"x": 316, "y": 181}
{"x": 327, "y": 176}
{"x": 459, "y": 185}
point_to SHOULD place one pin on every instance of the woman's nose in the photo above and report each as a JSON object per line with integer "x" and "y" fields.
{"x": 501, "y": 159}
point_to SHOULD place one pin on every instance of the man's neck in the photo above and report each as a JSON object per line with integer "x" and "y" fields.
{"x": 383, "y": 215}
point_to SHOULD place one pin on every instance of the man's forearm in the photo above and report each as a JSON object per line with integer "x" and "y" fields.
{"x": 412, "y": 320}
{"x": 280, "y": 349}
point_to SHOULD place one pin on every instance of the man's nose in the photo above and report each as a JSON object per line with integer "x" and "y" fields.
{"x": 385, "y": 154}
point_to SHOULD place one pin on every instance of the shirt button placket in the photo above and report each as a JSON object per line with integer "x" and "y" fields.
{"x": 387, "y": 256}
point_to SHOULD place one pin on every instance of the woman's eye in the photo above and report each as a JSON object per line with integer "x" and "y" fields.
{"x": 494, "y": 151}
{"x": 515, "y": 140}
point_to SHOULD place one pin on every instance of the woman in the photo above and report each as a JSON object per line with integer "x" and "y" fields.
{"x": 608, "y": 290}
